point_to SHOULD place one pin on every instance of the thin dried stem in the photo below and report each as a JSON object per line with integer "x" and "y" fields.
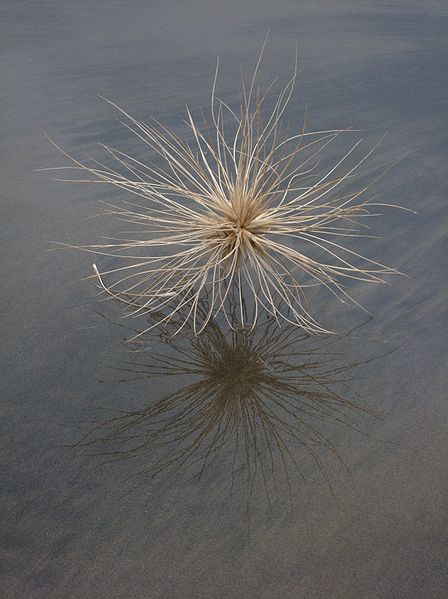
{"x": 243, "y": 205}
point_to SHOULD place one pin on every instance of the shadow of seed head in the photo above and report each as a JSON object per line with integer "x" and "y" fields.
{"x": 251, "y": 405}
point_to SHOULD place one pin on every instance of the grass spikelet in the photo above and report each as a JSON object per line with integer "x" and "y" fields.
{"x": 242, "y": 210}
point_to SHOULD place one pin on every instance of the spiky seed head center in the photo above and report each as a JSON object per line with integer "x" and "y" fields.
{"x": 239, "y": 227}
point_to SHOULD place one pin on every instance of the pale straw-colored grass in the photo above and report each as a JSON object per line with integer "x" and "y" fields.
{"x": 242, "y": 210}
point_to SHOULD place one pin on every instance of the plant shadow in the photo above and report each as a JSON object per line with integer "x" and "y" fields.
{"x": 249, "y": 406}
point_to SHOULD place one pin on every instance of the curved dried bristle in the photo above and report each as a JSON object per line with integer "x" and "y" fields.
{"x": 242, "y": 206}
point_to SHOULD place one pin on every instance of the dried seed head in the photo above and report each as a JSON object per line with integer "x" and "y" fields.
{"x": 239, "y": 213}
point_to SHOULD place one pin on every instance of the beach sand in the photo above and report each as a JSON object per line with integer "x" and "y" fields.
{"x": 76, "y": 528}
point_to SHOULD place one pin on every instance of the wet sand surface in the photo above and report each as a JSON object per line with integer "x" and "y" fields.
{"x": 368, "y": 518}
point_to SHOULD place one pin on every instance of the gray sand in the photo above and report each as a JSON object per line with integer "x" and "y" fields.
{"x": 75, "y": 530}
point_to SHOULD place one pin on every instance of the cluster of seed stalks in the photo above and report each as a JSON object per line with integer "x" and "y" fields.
{"x": 241, "y": 210}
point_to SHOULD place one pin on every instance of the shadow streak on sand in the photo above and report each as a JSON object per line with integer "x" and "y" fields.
{"x": 254, "y": 405}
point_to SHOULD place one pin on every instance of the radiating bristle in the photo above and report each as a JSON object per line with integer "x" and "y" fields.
{"x": 229, "y": 210}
